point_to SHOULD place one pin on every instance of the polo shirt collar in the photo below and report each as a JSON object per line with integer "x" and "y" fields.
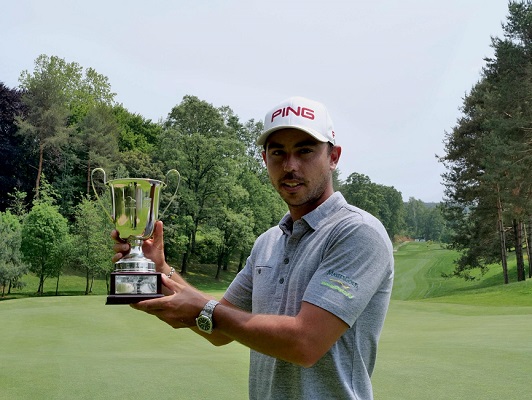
{"x": 316, "y": 216}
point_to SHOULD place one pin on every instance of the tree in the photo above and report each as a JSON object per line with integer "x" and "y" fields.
{"x": 391, "y": 212}
{"x": 17, "y": 204}
{"x": 98, "y": 140}
{"x": 58, "y": 95}
{"x": 415, "y": 217}
{"x": 45, "y": 94}
{"x": 206, "y": 152}
{"x": 43, "y": 232}
{"x": 14, "y": 166}
{"x": 234, "y": 221}
{"x": 265, "y": 204}
{"x": 236, "y": 234}
{"x": 262, "y": 200}
{"x": 92, "y": 242}
{"x": 135, "y": 163}
{"x": 260, "y": 208}
{"x": 510, "y": 74}
{"x": 90, "y": 90}
{"x": 487, "y": 155}
{"x": 435, "y": 226}
{"x": 248, "y": 134}
{"x": 360, "y": 191}
{"x": 135, "y": 132}
{"x": 45, "y": 237}
{"x": 381, "y": 201}
{"x": 11, "y": 266}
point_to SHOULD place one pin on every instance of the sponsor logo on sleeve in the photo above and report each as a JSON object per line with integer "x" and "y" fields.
{"x": 341, "y": 283}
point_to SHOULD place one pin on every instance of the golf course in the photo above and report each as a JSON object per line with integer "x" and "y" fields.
{"x": 444, "y": 338}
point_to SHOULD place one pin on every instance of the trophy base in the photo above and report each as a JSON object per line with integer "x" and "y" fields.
{"x": 131, "y": 299}
{"x": 132, "y": 287}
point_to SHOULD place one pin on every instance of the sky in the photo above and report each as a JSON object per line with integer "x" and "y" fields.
{"x": 393, "y": 74}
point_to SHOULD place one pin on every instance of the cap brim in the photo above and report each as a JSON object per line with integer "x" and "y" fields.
{"x": 261, "y": 140}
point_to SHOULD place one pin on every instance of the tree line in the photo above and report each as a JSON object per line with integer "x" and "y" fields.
{"x": 63, "y": 121}
{"x": 488, "y": 156}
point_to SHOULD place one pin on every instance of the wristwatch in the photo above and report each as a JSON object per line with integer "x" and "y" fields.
{"x": 204, "y": 320}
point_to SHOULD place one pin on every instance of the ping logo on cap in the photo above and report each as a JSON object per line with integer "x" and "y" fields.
{"x": 303, "y": 112}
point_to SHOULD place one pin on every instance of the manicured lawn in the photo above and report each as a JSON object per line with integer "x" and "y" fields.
{"x": 443, "y": 339}
{"x": 452, "y": 339}
{"x": 79, "y": 348}
{"x": 442, "y": 351}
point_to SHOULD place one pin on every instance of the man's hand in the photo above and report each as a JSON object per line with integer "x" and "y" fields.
{"x": 152, "y": 248}
{"x": 180, "y": 309}
{"x": 121, "y": 246}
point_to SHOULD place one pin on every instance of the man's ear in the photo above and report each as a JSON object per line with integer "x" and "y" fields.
{"x": 334, "y": 157}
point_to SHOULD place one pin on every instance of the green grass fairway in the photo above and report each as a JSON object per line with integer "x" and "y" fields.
{"x": 442, "y": 351}
{"x": 443, "y": 339}
{"x": 78, "y": 348}
{"x": 450, "y": 339}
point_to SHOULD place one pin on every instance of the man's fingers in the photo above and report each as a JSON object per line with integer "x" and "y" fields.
{"x": 121, "y": 247}
{"x": 170, "y": 283}
{"x": 150, "y": 306}
{"x": 158, "y": 240}
{"x": 115, "y": 235}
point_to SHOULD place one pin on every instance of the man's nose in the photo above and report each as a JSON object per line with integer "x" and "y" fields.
{"x": 290, "y": 163}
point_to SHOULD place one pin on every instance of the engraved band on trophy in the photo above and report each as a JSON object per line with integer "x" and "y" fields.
{"x": 135, "y": 209}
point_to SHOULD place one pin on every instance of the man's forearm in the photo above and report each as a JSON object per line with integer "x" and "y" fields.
{"x": 301, "y": 340}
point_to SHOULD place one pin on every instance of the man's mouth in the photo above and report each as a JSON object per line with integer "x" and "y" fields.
{"x": 291, "y": 184}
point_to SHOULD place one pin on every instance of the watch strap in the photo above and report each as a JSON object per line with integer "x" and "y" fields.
{"x": 204, "y": 321}
{"x": 208, "y": 309}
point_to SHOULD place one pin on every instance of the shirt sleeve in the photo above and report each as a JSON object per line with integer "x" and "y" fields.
{"x": 239, "y": 293}
{"x": 358, "y": 262}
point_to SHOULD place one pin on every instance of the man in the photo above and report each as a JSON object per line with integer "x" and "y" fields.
{"x": 312, "y": 298}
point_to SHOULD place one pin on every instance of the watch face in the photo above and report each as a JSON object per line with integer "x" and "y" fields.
{"x": 204, "y": 323}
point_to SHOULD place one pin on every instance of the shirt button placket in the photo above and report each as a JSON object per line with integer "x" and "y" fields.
{"x": 286, "y": 260}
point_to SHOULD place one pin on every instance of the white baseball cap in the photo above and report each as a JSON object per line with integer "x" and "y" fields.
{"x": 299, "y": 113}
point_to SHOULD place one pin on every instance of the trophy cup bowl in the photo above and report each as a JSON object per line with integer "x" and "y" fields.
{"x": 135, "y": 209}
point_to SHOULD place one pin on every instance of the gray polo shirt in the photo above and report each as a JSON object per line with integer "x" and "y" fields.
{"x": 337, "y": 257}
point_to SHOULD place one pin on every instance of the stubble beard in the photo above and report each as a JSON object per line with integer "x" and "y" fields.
{"x": 298, "y": 200}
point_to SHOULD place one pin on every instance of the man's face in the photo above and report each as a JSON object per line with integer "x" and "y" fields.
{"x": 300, "y": 168}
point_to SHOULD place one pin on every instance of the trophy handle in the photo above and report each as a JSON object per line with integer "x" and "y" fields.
{"x": 175, "y": 192}
{"x": 94, "y": 189}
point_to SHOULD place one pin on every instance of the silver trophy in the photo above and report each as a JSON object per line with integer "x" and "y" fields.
{"x": 135, "y": 208}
